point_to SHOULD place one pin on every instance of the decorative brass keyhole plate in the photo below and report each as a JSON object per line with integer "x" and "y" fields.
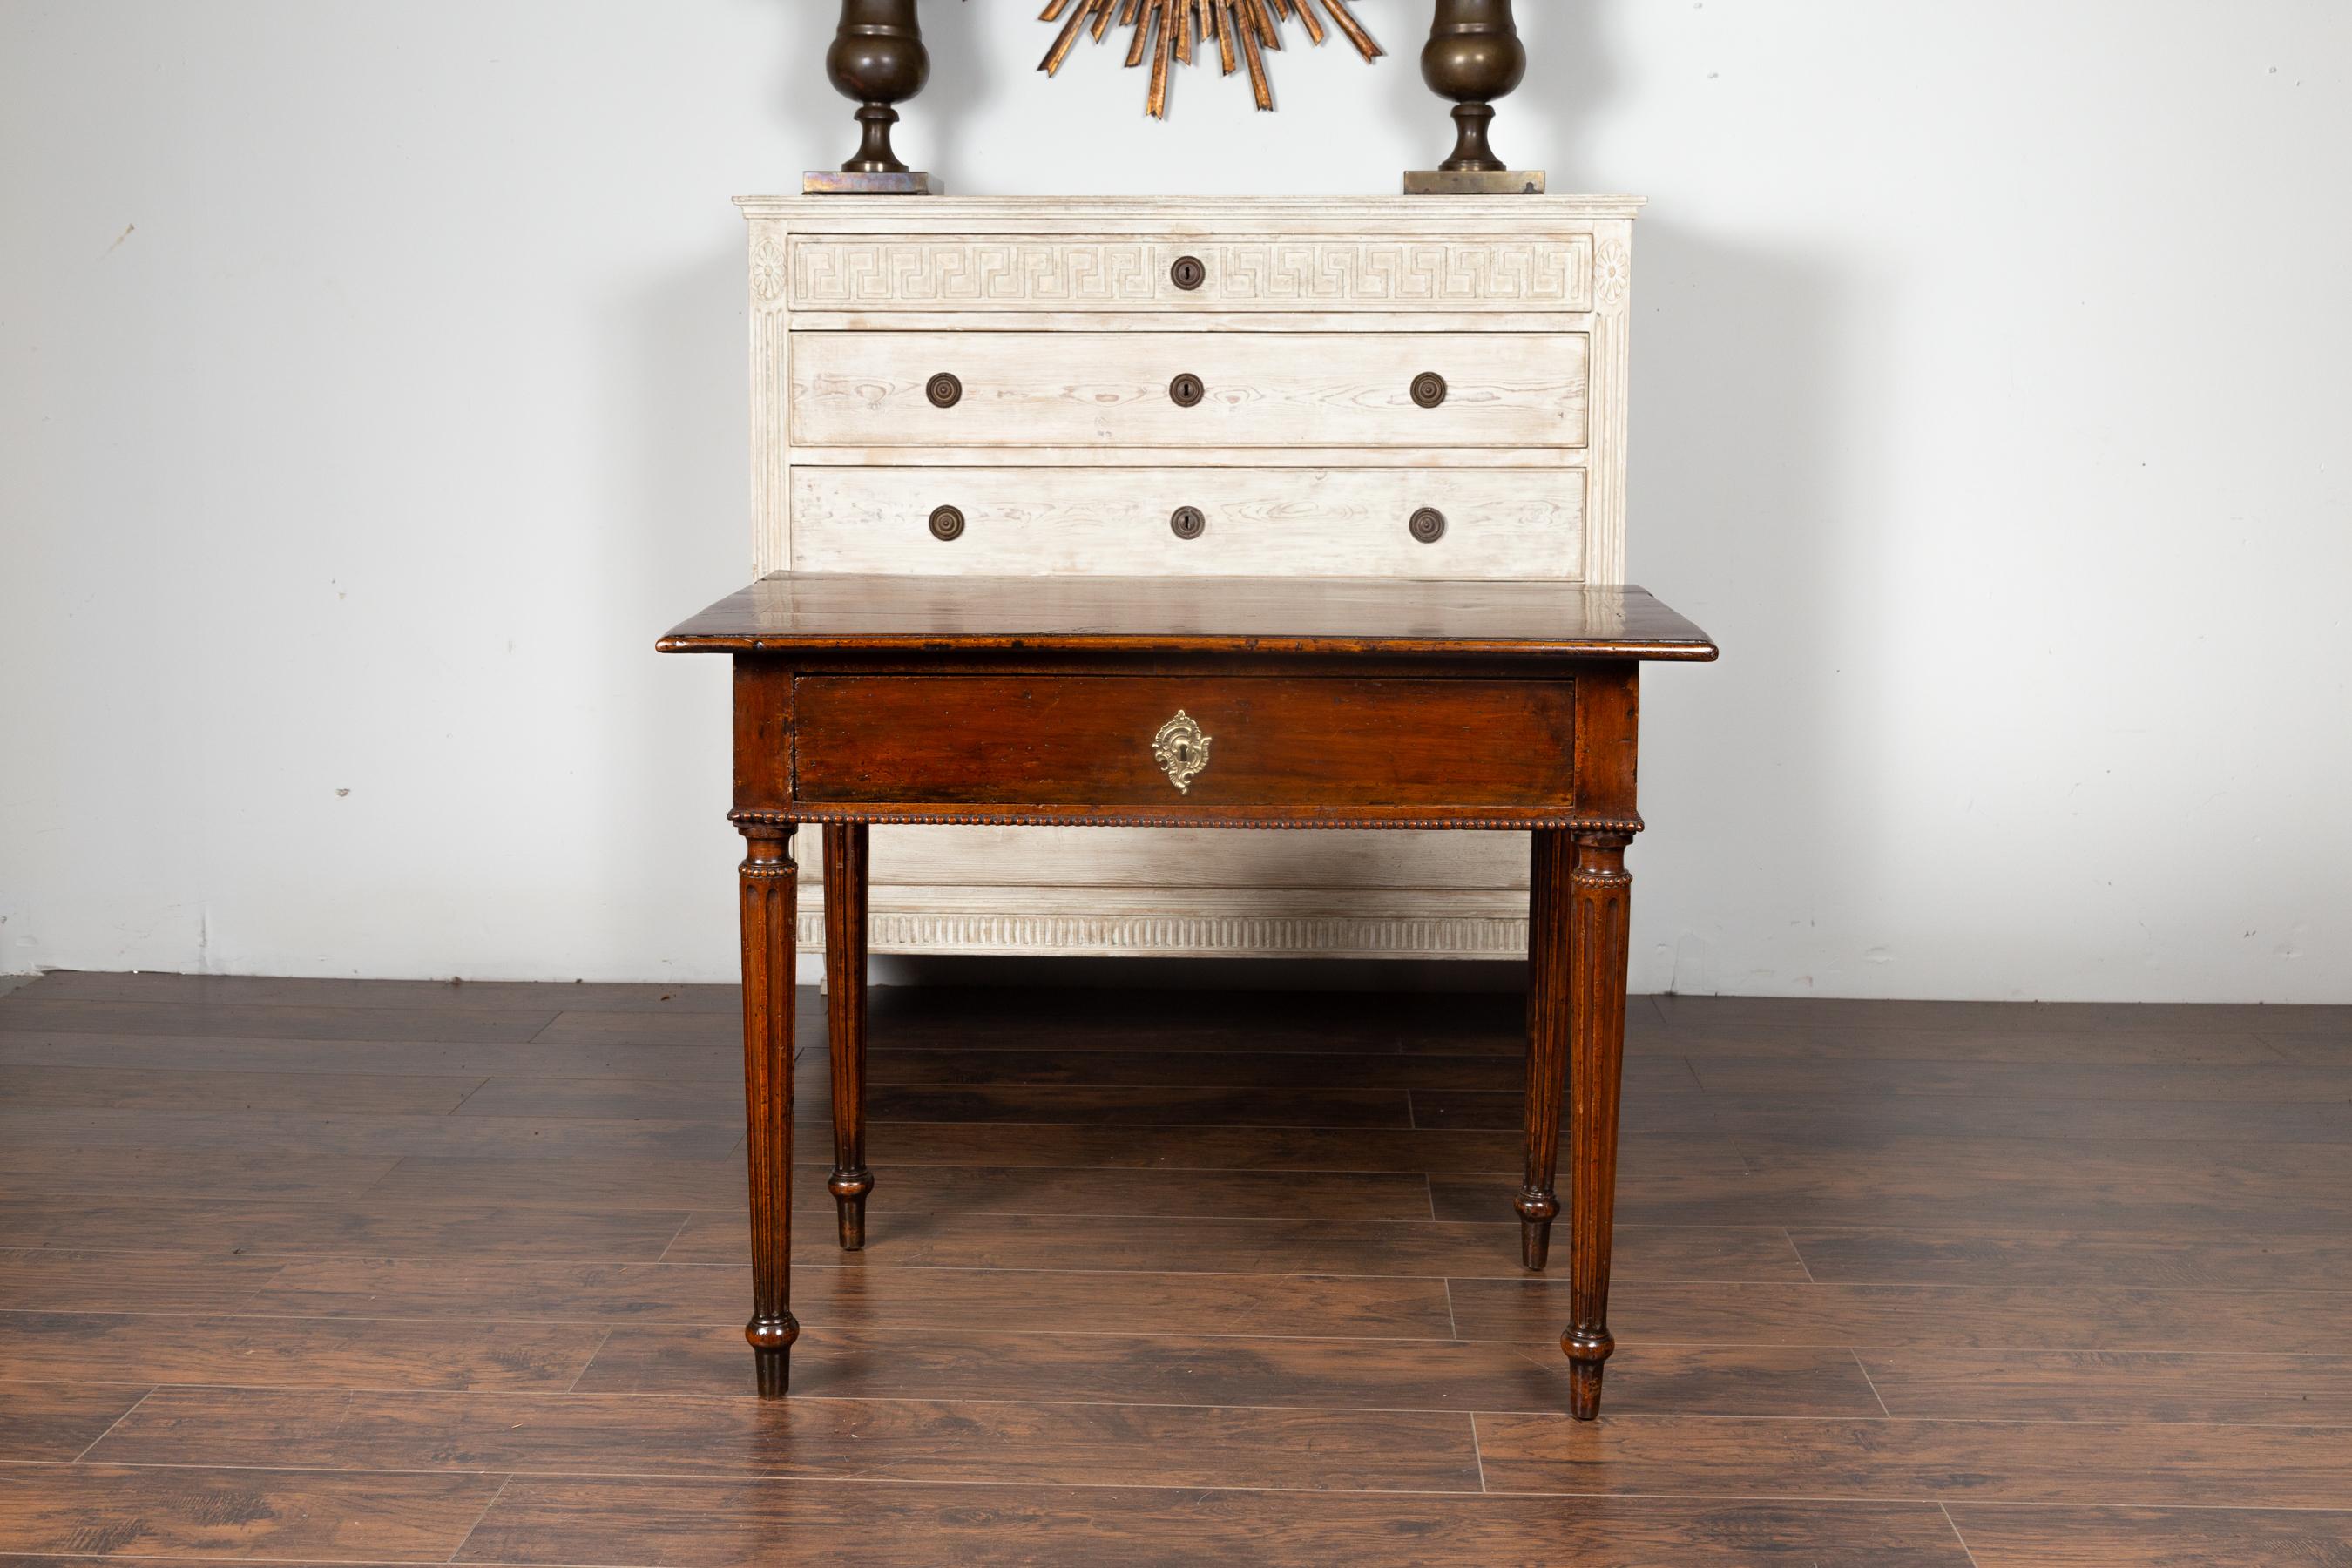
{"x": 1188, "y": 274}
{"x": 1187, "y": 390}
{"x": 1181, "y": 749}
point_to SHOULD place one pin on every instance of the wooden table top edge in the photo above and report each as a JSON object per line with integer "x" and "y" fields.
{"x": 721, "y": 627}
{"x": 1647, "y": 652}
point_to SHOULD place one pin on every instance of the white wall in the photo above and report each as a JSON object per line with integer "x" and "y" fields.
{"x": 370, "y": 392}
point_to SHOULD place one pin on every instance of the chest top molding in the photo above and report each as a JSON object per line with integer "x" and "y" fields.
{"x": 1162, "y": 214}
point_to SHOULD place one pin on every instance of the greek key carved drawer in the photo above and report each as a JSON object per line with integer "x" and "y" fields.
{"x": 1182, "y": 745}
{"x": 1190, "y": 389}
{"x": 866, "y": 272}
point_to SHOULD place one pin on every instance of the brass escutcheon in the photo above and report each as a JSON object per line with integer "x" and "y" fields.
{"x": 1187, "y": 390}
{"x": 1181, "y": 749}
{"x": 1188, "y": 274}
{"x": 1188, "y": 522}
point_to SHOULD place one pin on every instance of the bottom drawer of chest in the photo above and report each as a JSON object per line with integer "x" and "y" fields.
{"x": 1492, "y": 523}
{"x": 1262, "y": 743}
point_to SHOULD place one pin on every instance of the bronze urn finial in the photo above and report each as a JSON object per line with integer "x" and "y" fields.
{"x": 1474, "y": 57}
{"x": 878, "y": 60}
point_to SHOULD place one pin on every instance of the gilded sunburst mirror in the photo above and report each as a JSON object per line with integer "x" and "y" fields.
{"x": 1237, "y": 35}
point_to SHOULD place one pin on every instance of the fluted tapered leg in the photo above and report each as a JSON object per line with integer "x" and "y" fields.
{"x": 1600, "y": 908}
{"x": 769, "y": 889}
{"x": 1547, "y": 1034}
{"x": 845, "y": 978}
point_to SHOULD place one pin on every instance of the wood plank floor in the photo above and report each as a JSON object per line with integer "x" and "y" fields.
{"x": 340, "y": 1271}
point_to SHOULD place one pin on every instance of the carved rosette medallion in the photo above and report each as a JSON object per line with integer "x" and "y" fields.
{"x": 1612, "y": 275}
{"x": 766, "y": 269}
{"x": 1181, "y": 749}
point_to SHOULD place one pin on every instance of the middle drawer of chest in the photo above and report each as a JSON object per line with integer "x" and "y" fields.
{"x": 1189, "y": 389}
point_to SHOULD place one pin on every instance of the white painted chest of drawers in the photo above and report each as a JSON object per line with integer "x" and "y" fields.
{"x": 1191, "y": 388}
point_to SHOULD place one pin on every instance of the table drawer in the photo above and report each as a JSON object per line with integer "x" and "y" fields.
{"x": 868, "y": 272}
{"x": 1490, "y": 524}
{"x": 1120, "y": 742}
{"x": 1189, "y": 389}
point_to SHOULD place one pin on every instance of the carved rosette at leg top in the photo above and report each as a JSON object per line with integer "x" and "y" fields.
{"x": 1601, "y": 860}
{"x": 768, "y": 850}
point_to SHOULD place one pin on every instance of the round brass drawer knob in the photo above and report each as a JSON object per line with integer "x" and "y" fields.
{"x": 947, "y": 523}
{"x": 1429, "y": 389}
{"x": 944, "y": 391}
{"x": 1187, "y": 522}
{"x": 1186, "y": 390}
{"x": 1188, "y": 274}
{"x": 1428, "y": 525}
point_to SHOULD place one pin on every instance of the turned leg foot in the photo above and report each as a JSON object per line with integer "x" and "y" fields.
{"x": 1536, "y": 1212}
{"x": 1586, "y": 1353}
{"x": 844, "y": 971}
{"x": 849, "y": 1189}
{"x": 772, "y": 1352}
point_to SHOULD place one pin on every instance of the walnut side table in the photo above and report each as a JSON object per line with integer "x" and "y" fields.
{"x": 1250, "y": 703}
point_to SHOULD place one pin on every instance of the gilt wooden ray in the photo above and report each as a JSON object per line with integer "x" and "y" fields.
{"x": 1169, "y": 33}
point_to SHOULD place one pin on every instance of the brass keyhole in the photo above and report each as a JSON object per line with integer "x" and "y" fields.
{"x": 1181, "y": 749}
{"x": 1187, "y": 390}
{"x": 947, "y": 523}
{"x": 1188, "y": 274}
{"x": 1188, "y": 522}
{"x": 944, "y": 391}
{"x": 1429, "y": 389}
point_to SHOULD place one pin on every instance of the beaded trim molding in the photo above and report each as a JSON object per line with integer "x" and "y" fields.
{"x": 919, "y": 819}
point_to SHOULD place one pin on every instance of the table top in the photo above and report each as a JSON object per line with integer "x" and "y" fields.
{"x": 834, "y": 614}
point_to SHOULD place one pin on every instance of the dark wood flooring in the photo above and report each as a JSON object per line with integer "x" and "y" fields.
{"x": 333, "y": 1271}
